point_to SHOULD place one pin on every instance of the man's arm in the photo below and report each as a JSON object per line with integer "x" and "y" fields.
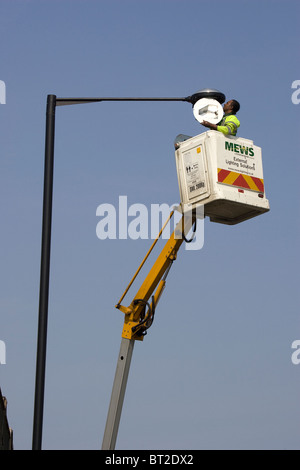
{"x": 230, "y": 127}
{"x": 214, "y": 127}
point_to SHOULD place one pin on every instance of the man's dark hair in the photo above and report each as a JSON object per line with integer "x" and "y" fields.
{"x": 235, "y": 106}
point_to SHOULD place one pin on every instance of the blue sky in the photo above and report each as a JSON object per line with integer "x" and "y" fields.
{"x": 215, "y": 370}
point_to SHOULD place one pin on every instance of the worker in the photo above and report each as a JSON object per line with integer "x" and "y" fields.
{"x": 229, "y": 123}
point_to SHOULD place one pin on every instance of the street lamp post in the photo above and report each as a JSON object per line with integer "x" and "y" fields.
{"x": 44, "y": 275}
{"x": 52, "y": 103}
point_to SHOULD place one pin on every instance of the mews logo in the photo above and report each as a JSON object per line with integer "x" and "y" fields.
{"x": 241, "y": 149}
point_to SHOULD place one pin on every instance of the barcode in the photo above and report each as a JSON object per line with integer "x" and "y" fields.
{"x": 198, "y": 186}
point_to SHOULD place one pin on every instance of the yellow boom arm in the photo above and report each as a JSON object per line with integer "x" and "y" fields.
{"x": 137, "y": 320}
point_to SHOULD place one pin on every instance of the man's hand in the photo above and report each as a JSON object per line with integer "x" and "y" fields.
{"x": 209, "y": 125}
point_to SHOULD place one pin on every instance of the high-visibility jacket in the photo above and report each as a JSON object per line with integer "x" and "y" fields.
{"x": 229, "y": 124}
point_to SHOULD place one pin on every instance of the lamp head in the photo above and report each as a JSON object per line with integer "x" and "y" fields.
{"x": 207, "y": 105}
{"x": 209, "y": 93}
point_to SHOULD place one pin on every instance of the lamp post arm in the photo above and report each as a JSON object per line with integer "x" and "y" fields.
{"x": 68, "y": 101}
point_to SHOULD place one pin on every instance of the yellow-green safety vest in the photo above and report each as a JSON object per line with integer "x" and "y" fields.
{"x": 229, "y": 125}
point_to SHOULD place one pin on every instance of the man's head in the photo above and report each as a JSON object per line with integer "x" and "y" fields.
{"x": 231, "y": 107}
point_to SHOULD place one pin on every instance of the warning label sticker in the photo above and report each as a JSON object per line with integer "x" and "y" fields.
{"x": 194, "y": 169}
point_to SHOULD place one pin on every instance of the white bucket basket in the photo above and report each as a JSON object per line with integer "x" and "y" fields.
{"x": 224, "y": 174}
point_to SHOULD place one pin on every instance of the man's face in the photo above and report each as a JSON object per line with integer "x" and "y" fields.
{"x": 227, "y": 106}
